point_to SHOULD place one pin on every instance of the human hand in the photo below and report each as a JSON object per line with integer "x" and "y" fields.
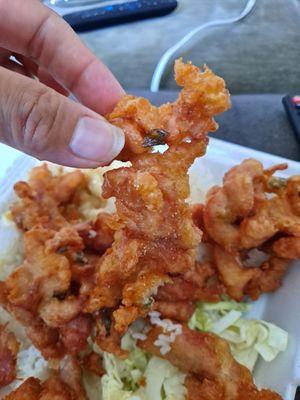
{"x": 36, "y": 116}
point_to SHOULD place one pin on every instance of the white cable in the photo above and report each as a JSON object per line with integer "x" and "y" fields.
{"x": 161, "y": 65}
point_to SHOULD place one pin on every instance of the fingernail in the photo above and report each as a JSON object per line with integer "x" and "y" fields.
{"x": 97, "y": 140}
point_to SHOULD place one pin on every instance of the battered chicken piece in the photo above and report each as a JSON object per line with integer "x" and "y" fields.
{"x": 154, "y": 227}
{"x": 93, "y": 362}
{"x": 64, "y": 385}
{"x": 41, "y": 275}
{"x": 9, "y": 348}
{"x": 39, "y": 292}
{"x": 175, "y": 310}
{"x": 97, "y": 235}
{"x": 199, "y": 283}
{"x": 232, "y": 272}
{"x": 252, "y": 209}
{"x": 46, "y": 200}
{"x": 28, "y": 390}
{"x": 203, "y": 390}
{"x": 157, "y": 231}
{"x": 189, "y": 117}
{"x": 70, "y": 374}
{"x": 52, "y": 389}
{"x": 287, "y": 247}
{"x": 207, "y": 357}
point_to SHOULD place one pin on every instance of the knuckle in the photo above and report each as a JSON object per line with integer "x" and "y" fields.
{"x": 37, "y": 43}
{"x": 37, "y": 114}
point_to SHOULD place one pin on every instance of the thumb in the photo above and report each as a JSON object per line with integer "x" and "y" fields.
{"x": 49, "y": 126}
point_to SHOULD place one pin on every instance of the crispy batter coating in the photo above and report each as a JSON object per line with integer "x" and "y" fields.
{"x": 42, "y": 296}
{"x": 155, "y": 234}
{"x": 93, "y": 362}
{"x": 207, "y": 358}
{"x": 64, "y": 385}
{"x": 52, "y": 389}
{"x": 288, "y": 248}
{"x": 46, "y": 200}
{"x": 175, "y": 310}
{"x": 28, "y": 390}
{"x": 189, "y": 117}
{"x": 9, "y": 348}
{"x": 253, "y": 209}
{"x": 203, "y": 390}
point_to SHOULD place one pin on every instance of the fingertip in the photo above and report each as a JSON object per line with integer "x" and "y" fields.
{"x": 96, "y": 140}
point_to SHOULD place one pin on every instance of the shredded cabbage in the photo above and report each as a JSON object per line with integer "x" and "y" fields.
{"x": 248, "y": 338}
{"x": 140, "y": 376}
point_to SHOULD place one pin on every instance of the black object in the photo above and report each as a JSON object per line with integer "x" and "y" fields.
{"x": 113, "y": 14}
{"x": 292, "y": 108}
{"x": 297, "y": 394}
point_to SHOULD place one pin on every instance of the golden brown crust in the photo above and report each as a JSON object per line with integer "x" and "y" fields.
{"x": 9, "y": 348}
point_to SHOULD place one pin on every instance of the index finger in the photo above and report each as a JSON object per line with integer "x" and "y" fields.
{"x": 30, "y": 28}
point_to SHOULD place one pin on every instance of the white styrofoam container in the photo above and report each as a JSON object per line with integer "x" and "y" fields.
{"x": 282, "y": 308}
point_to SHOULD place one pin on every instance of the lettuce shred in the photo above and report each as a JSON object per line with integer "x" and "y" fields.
{"x": 248, "y": 338}
{"x": 140, "y": 376}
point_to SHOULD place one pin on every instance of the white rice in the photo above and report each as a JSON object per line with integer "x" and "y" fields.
{"x": 201, "y": 180}
{"x": 139, "y": 336}
{"x": 164, "y": 341}
{"x": 11, "y": 246}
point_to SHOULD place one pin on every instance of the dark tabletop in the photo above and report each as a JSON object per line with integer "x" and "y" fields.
{"x": 259, "y": 55}
{"x": 256, "y": 121}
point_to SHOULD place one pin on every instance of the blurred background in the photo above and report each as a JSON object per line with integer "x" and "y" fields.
{"x": 259, "y": 55}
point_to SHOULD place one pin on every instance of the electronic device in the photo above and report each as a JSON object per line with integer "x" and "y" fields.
{"x": 117, "y": 12}
{"x": 292, "y": 108}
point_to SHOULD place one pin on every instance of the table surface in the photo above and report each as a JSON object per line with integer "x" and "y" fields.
{"x": 259, "y": 55}
{"x": 255, "y": 121}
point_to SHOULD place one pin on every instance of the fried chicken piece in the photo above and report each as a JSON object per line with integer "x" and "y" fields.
{"x": 66, "y": 385}
{"x": 226, "y": 205}
{"x": 41, "y": 293}
{"x": 56, "y": 313}
{"x": 44, "y": 338}
{"x": 28, "y": 390}
{"x": 287, "y": 247}
{"x": 199, "y": 283}
{"x": 273, "y": 216}
{"x": 52, "y": 389}
{"x": 207, "y": 356}
{"x": 70, "y": 374}
{"x": 156, "y": 233}
{"x": 175, "y": 310}
{"x": 269, "y": 277}
{"x": 241, "y": 215}
{"x": 252, "y": 209}
{"x": 97, "y": 235}
{"x": 93, "y": 363}
{"x": 234, "y": 275}
{"x": 9, "y": 348}
{"x": 107, "y": 337}
{"x": 153, "y": 223}
{"x": 42, "y": 274}
{"x": 46, "y": 199}
{"x": 189, "y": 117}
{"x": 203, "y": 390}
{"x": 251, "y": 280}
{"x": 75, "y": 333}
